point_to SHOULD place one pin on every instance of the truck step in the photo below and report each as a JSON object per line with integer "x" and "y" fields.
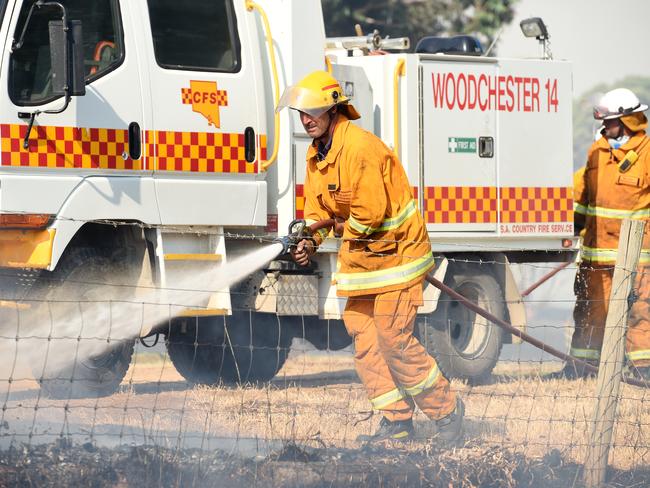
{"x": 12, "y": 305}
{"x": 193, "y": 257}
{"x": 202, "y": 312}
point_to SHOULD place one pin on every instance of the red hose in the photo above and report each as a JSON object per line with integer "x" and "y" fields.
{"x": 522, "y": 335}
{"x": 545, "y": 278}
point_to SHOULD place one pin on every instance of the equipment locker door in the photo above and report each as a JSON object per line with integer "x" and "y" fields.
{"x": 535, "y": 170}
{"x": 98, "y": 133}
{"x": 457, "y": 142}
{"x": 208, "y": 136}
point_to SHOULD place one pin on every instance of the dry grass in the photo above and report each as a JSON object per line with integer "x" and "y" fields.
{"x": 524, "y": 429}
{"x": 316, "y": 401}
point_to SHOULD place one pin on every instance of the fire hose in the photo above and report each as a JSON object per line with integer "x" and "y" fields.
{"x": 522, "y": 335}
{"x": 299, "y": 230}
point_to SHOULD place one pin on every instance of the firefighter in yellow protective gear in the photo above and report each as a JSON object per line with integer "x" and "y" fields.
{"x": 615, "y": 186}
{"x": 353, "y": 177}
{"x": 578, "y": 189}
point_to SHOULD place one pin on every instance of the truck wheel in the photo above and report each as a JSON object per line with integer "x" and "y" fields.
{"x": 195, "y": 347}
{"x": 96, "y": 376}
{"x": 464, "y": 344}
{"x": 257, "y": 346}
{"x": 325, "y": 335}
{"x": 65, "y": 291}
{"x": 250, "y": 348}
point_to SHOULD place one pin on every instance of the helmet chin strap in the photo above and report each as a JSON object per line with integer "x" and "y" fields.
{"x": 327, "y": 135}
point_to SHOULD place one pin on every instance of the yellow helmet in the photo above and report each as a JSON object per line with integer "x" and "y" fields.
{"x": 315, "y": 94}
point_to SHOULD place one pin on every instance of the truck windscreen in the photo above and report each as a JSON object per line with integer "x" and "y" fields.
{"x": 3, "y": 4}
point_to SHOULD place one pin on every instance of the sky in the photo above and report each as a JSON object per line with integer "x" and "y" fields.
{"x": 605, "y": 40}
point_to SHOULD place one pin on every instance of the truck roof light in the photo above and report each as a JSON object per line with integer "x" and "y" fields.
{"x": 461, "y": 45}
{"x": 24, "y": 221}
{"x": 534, "y": 27}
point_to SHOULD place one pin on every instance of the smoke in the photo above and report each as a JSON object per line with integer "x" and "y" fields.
{"x": 52, "y": 335}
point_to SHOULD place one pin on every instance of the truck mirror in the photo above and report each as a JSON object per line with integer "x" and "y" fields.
{"x": 78, "y": 78}
{"x": 66, "y": 54}
{"x": 58, "y": 50}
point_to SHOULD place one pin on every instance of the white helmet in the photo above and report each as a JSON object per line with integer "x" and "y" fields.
{"x": 617, "y": 103}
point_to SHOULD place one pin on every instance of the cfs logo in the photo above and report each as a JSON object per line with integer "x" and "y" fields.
{"x": 205, "y": 99}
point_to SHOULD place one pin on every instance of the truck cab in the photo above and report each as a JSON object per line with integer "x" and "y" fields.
{"x": 139, "y": 141}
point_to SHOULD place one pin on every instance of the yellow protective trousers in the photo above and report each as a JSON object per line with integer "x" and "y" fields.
{"x": 593, "y": 286}
{"x": 395, "y": 368}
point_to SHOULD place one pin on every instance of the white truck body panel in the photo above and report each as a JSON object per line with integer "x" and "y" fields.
{"x": 519, "y": 198}
{"x": 193, "y": 171}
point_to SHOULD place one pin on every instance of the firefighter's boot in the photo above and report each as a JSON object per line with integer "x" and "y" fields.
{"x": 450, "y": 428}
{"x": 641, "y": 372}
{"x": 399, "y": 430}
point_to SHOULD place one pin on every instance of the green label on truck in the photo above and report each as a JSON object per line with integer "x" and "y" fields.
{"x": 462, "y": 144}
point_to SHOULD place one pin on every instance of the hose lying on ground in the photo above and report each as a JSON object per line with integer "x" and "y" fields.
{"x": 522, "y": 335}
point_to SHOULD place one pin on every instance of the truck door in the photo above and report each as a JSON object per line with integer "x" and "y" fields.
{"x": 207, "y": 134}
{"x": 457, "y": 143}
{"x": 3, "y": 27}
{"x": 98, "y": 133}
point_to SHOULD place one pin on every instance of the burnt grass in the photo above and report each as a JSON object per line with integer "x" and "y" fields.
{"x": 64, "y": 464}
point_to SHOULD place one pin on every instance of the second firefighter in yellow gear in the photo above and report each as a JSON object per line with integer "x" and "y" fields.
{"x": 615, "y": 186}
{"x": 385, "y": 253}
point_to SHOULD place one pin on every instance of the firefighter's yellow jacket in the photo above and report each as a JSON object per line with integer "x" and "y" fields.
{"x": 385, "y": 243}
{"x": 609, "y": 195}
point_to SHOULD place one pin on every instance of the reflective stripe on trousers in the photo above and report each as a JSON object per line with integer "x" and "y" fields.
{"x": 383, "y": 401}
{"x": 603, "y": 255}
{"x": 594, "y": 354}
{"x": 585, "y": 353}
{"x": 638, "y": 355}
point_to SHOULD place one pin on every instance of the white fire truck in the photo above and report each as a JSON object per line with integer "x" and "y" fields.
{"x": 141, "y": 136}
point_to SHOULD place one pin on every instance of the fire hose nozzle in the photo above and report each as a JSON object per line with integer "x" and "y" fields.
{"x": 299, "y": 230}
{"x": 286, "y": 242}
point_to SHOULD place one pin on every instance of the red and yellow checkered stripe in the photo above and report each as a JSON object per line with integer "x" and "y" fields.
{"x": 460, "y": 204}
{"x": 204, "y": 152}
{"x": 66, "y": 147}
{"x": 479, "y": 205}
{"x": 536, "y": 204}
{"x": 482, "y": 205}
{"x": 186, "y": 96}
{"x": 101, "y": 148}
{"x": 300, "y": 201}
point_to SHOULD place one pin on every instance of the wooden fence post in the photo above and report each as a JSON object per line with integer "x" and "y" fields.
{"x": 613, "y": 353}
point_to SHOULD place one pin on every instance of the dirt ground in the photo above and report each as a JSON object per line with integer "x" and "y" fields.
{"x": 523, "y": 429}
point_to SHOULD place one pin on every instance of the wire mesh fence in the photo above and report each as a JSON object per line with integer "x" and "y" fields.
{"x": 264, "y": 399}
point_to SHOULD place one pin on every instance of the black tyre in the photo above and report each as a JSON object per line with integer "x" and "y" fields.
{"x": 464, "y": 344}
{"x": 95, "y": 365}
{"x": 325, "y": 335}
{"x": 196, "y": 348}
{"x": 241, "y": 348}
{"x": 257, "y": 346}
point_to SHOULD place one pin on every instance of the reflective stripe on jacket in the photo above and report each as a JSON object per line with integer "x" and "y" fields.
{"x": 385, "y": 243}
{"x": 608, "y": 195}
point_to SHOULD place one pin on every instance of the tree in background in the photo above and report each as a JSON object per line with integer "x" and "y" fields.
{"x": 584, "y": 125}
{"x": 418, "y": 18}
